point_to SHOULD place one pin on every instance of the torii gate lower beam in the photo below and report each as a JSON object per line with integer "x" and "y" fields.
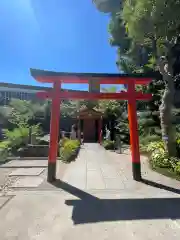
{"x": 57, "y": 95}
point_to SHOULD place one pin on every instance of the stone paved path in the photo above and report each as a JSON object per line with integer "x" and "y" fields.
{"x": 94, "y": 170}
{"x": 95, "y": 199}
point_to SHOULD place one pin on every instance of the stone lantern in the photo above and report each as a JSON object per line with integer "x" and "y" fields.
{"x": 107, "y": 6}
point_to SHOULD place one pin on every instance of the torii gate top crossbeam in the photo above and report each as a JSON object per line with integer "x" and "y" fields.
{"x": 102, "y": 78}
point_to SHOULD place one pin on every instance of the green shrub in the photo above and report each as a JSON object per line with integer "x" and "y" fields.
{"x": 68, "y": 149}
{"x": 174, "y": 161}
{"x": 109, "y": 145}
{"x": 177, "y": 168}
{"x": 36, "y": 131}
{"x": 63, "y": 141}
{"x": 19, "y": 137}
{"x": 4, "y": 144}
{"x": 152, "y": 146}
{"x": 144, "y": 140}
{"x": 4, "y": 150}
{"x": 159, "y": 158}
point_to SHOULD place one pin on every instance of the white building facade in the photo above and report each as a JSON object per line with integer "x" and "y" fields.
{"x": 17, "y": 91}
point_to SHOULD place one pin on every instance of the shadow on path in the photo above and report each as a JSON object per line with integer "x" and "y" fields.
{"x": 90, "y": 209}
{"x": 160, "y": 186}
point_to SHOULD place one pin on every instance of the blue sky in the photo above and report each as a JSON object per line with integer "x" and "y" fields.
{"x": 59, "y": 35}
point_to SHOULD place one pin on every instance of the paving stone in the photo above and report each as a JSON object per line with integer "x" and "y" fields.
{"x": 95, "y": 180}
{"x": 76, "y": 175}
{"x": 25, "y": 163}
{"x": 4, "y": 172}
{"x": 27, "y": 182}
{"x": 109, "y": 171}
{"x": 113, "y": 183}
{"x": 92, "y": 165}
{"x": 27, "y": 172}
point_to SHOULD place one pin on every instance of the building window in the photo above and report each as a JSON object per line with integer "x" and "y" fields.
{"x": 13, "y": 95}
{"x": 8, "y": 95}
{"x": 2, "y": 98}
{"x": 22, "y": 96}
{"x": 31, "y": 96}
{"x": 25, "y": 96}
{"x": 18, "y": 95}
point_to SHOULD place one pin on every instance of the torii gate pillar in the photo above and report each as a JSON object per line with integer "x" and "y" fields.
{"x": 134, "y": 136}
{"x": 54, "y": 132}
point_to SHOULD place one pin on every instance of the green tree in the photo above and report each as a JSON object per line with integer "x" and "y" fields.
{"x": 145, "y": 31}
{"x": 25, "y": 113}
{"x": 69, "y": 108}
{"x": 5, "y": 112}
{"x": 107, "y": 6}
{"x": 156, "y": 24}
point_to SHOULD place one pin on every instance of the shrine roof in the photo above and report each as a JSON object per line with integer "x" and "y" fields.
{"x": 85, "y": 112}
{"x": 85, "y": 109}
{"x": 104, "y": 78}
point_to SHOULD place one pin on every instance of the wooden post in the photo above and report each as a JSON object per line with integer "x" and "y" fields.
{"x": 133, "y": 126}
{"x": 54, "y": 132}
{"x": 79, "y": 130}
{"x": 100, "y": 130}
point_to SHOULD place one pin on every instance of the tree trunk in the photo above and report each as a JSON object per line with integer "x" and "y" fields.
{"x": 168, "y": 133}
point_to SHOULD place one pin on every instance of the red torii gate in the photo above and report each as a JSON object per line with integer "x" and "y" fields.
{"x": 57, "y": 95}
